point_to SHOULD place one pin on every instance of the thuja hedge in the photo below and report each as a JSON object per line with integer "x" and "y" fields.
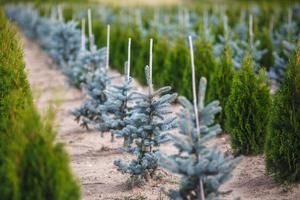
{"x": 171, "y": 60}
{"x": 283, "y": 138}
{"x": 13, "y": 79}
{"x": 170, "y": 52}
{"x": 247, "y": 110}
{"x": 221, "y": 82}
{"x": 32, "y": 164}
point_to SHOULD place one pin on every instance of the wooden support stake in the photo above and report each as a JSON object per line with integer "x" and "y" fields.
{"x": 201, "y": 191}
{"x": 251, "y": 35}
{"x": 128, "y": 59}
{"x": 107, "y": 46}
{"x": 225, "y": 24}
{"x": 83, "y": 40}
{"x": 91, "y": 36}
{"x": 60, "y": 13}
{"x": 194, "y": 84}
{"x": 90, "y": 22}
{"x": 290, "y": 18}
{"x": 150, "y": 66}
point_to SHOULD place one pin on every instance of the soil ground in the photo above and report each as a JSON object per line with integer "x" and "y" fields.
{"x": 92, "y": 156}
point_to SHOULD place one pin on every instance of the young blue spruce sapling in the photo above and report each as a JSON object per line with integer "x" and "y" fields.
{"x": 88, "y": 60}
{"x": 202, "y": 170}
{"x": 97, "y": 81}
{"x": 146, "y": 127}
{"x": 116, "y": 108}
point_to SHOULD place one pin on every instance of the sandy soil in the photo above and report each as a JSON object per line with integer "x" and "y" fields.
{"x": 92, "y": 156}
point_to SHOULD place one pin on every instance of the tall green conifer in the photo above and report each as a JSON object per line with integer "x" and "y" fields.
{"x": 221, "y": 81}
{"x": 247, "y": 110}
{"x": 283, "y": 138}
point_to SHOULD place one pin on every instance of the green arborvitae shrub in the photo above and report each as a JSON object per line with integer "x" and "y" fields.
{"x": 32, "y": 166}
{"x": 179, "y": 61}
{"x": 44, "y": 166}
{"x": 221, "y": 82}
{"x": 186, "y": 83}
{"x": 267, "y": 59}
{"x": 283, "y": 138}
{"x": 13, "y": 81}
{"x": 247, "y": 110}
{"x": 118, "y": 47}
{"x": 138, "y": 45}
{"x": 100, "y": 31}
{"x": 15, "y": 95}
{"x": 161, "y": 49}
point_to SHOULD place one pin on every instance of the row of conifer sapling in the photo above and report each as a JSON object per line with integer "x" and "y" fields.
{"x": 144, "y": 119}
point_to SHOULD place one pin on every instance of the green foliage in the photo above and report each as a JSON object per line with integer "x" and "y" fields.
{"x": 179, "y": 62}
{"x": 266, "y": 43}
{"x": 13, "y": 81}
{"x": 14, "y": 97}
{"x": 194, "y": 162}
{"x": 140, "y": 53}
{"x": 32, "y": 165}
{"x": 221, "y": 82}
{"x": 146, "y": 129}
{"x": 38, "y": 2}
{"x": 247, "y": 110}
{"x": 186, "y": 84}
{"x": 160, "y": 49}
{"x": 205, "y": 64}
{"x": 283, "y": 138}
{"x": 44, "y": 168}
{"x": 118, "y": 47}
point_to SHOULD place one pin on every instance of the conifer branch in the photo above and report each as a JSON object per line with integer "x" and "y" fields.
{"x": 202, "y": 92}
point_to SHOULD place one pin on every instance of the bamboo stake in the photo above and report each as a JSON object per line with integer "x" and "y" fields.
{"x": 225, "y": 24}
{"x": 201, "y": 190}
{"x": 128, "y": 59}
{"x": 52, "y": 14}
{"x": 290, "y": 18}
{"x": 201, "y": 195}
{"x": 83, "y": 39}
{"x": 251, "y": 35}
{"x": 150, "y": 67}
{"x": 194, "y": 83}
{"x": 91, "y": 36}
{"x": 60, "y": 14}
{"x": 107, "y": 46}
{"x": 90, "y": 22}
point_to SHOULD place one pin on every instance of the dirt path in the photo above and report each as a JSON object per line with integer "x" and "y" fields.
{"x": 92, "y": 156}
